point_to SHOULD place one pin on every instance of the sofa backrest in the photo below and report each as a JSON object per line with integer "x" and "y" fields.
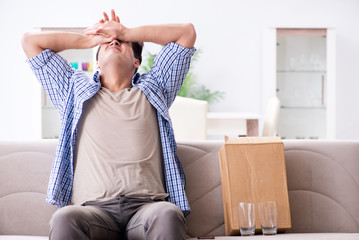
{"x": 200, "y": 162}
{"x": 323, "y": 184}
{"x": 322, "y": 177}
{"x": 24, "y": 175}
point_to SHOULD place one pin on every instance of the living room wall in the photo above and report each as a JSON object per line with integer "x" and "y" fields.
{"x": 229, "y": 35}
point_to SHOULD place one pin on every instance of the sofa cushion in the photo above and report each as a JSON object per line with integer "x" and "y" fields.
{"x": 24, "y": 174}
{"x": 22, "y": 237}
{"x": 290, "y": 236}
{"x": 297, "y": 236}
{"x": 323, "y": 185}
{"x": 200, "y": 162}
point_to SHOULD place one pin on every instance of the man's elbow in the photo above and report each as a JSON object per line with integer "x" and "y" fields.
{"x": 191, "y": 34}
{"x": 26, "y": 39}
{"x": 29, "y": 45}
{"x": 188, "y": 36}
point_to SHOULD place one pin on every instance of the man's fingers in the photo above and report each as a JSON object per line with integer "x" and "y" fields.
{"x": 90, "y": 31}
{"x": 105, "y": 16}
{"x": 93, "y": 29}
{"x": 113, "y": 38}
{"x": 113, "y": 15}
{"x": 97, "y": 25}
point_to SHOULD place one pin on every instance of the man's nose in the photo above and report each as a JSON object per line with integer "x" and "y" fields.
{"x": 115, "y": 42}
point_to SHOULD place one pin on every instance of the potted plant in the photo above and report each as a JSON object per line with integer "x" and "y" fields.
{"x": 190, "y": 88}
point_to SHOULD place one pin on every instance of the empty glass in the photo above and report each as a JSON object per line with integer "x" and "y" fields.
{"x": 268, "y": 214}
{"x": 246, "y": 218}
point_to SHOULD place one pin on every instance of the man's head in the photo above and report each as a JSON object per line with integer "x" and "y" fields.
{"x": 137, "y": 48}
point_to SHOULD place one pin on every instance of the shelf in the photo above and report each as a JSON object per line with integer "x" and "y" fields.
{"x": 303, "y": 107}
{"x": 301, "y": 71}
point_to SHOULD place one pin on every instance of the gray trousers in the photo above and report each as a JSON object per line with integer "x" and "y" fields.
{"x": 120, "y": 218}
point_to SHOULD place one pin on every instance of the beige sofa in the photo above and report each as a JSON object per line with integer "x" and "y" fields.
{"x": 323, "y": 179}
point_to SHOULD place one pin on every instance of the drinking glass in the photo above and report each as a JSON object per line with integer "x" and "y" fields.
{"x": 268, "y": 215}
{"x": 246, "y": 218}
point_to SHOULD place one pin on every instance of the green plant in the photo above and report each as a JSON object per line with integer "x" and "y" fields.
{"x": 190, "y": 87}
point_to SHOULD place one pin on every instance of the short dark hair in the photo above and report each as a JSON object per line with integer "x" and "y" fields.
{"x": 137, "y": 48}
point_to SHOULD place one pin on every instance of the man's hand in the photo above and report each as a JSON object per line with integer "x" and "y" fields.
{"x": 182, "y": 34}
{"x": 108, "y": 28}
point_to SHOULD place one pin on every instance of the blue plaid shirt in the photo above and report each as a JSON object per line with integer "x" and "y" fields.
{"x": 68, "y": 89}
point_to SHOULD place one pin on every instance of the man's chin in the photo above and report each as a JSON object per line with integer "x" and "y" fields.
{"x": 113, "y": 49}
{"x": 112, "y": 57}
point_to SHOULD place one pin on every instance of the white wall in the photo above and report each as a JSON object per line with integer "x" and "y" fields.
{"x": 229, "y": 34}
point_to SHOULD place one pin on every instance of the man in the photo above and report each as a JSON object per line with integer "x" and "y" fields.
{"x": 115, "y": 174}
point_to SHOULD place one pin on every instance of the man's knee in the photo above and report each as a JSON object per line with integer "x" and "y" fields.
{"x": 67, "y": 221}
{"x": 160, "y": 220}
{"x": 65, "y": 216}
{"x": 168, "y": 222}
{"x": 167, "y": 212}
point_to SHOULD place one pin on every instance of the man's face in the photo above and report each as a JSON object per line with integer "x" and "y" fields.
{"x": 117, "y": 52}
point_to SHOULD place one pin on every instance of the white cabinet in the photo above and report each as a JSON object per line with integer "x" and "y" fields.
{"x": 301, "y": 83}
{"x": 82, "y": 59}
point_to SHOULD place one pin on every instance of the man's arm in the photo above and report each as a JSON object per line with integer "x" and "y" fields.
{"x": 34, "y": 43}
{"x": 182, "y": 34}
{"x": 56, "y": 77}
